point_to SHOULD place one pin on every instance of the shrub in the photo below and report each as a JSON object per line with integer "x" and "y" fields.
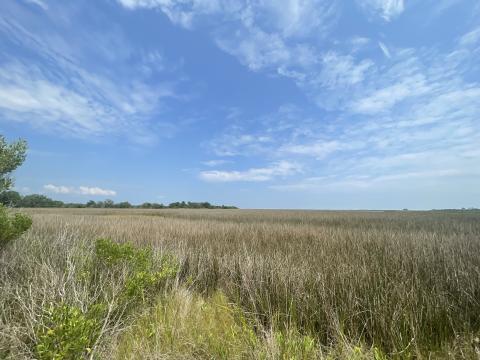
{"x": 145, "y": 273}
{"x": 110, "y": 254}
{"x": 12, "y": 225}
{"x": 68, "y": 332}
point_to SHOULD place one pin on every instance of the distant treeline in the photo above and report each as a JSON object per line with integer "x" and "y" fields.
{"x": 14, "y": 199}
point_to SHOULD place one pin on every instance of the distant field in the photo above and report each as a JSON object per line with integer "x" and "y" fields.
{"x": 255, "y": 284}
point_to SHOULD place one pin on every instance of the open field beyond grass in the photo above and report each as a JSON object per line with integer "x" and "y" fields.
{"x": 242, "y": 284}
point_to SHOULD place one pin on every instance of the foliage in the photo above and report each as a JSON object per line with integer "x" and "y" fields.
{"x": 10, "y": 198}
{"x": 112, "y": 253}
{"x": 197, "y": 205}
{"x": 12, "y": 225}
{"x": 145, "y": 273}
{"x": 11, "y": 156}
{"x": 36, "y": 200}
{"x": 67, "y": 332}
{"x": 14, "y": 199}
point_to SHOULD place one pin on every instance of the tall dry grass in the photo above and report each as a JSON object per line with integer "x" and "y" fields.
{"x": 407, "y": 283}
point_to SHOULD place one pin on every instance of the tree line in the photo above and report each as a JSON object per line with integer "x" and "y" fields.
{"x": 14, "y": 199}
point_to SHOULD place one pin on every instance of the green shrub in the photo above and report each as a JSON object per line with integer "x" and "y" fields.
{"x": 146, "y": 274}
{"x": 68, "y": 332}
{"x": 12, "y": 225}
{"x": 111, "y": 254}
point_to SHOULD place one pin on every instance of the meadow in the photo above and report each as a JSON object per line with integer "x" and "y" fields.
{"x": 242, "y": 284}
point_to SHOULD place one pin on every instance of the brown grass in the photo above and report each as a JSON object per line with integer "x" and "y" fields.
{"x": 407, "y": 283}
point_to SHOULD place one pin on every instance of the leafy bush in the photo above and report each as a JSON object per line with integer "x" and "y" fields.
{"x": 68, "y": 332}
{"x": 145, "y": 273}
{"x": 12, "y": 225}
{"x": 111, "y": 254}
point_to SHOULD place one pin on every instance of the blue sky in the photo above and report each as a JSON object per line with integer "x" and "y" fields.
{"x": 349, "y": 104}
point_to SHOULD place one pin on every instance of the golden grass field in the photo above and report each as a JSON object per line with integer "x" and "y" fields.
{"x": 257, "y": 284}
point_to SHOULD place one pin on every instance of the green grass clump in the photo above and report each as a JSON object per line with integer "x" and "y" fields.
{"x": 186, "y": 325}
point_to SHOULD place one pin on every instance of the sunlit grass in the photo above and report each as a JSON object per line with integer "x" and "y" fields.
{"x": 355, "y": 284}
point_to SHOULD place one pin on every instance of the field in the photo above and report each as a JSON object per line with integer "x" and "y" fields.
{"x": 242, "y": 284}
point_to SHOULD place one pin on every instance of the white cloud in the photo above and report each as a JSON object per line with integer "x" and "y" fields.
{"x": 85, "y": 190}
{"x": 182, "y": 12}
{"x": 385, "y": 98}
{"x": 59, "y": 189}
{"x": 256, "y": 48}
{"x": 94, "y": 108}
{"x": 470, "y": 38}
{"x": 39, "y": 3}
{"x": 279, "y": 169}
{"x": 319, "y": 150}
{"x": 384, "y": 49}
{"x": 213, "y": 163}
{"x": 81, "y": 190}
{"x": 262, "y": 34}
{"x": 410, "y": 114}
{"x": 55, "y": 92}
{"x": 289, "y": 17}
{"x": 341, "y": 70}
{"x": 387, "y": 9}
{"x": 235, "y": 142}
{"x": 359, "y": 182}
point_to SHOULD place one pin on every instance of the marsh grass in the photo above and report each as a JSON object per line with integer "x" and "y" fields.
{"x": 358, "y": 284}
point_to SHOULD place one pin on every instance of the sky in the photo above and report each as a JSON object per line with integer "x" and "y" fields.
{"x": 315, "y": 104}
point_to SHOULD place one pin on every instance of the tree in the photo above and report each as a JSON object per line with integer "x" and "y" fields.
{"x": 11, "y": 156}
{"x": 10, "y": 198}
{"x": 37, "y": 200}
{"x": 124, "y": 205}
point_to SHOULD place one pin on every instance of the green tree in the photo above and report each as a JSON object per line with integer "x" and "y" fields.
{"x": 10, "y": 198}
{"x": 11, "y": 156}
{"x": 124, "y": 205}
{"x": 37, "y": 200}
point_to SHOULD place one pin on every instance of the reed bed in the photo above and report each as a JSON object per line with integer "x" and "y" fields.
{"x": 372, "y": 284}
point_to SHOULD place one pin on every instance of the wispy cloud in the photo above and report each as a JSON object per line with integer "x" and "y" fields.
{"x": 39, "y": 3}
{"x": 279, "y": 169}
{"x": 262, "y": 35}
{"x": 384, "y": 49}
{"x": 81, "y": 190}
{"x": 28, "y": 95}
{"x": 362, "y": 182}
{"x": 58, "y": 92}
{"x": 235, "y": 142}
{"x": 213, "y": 163}
{"x": 471, "y": 38}
{"x": 387, "y": 9}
